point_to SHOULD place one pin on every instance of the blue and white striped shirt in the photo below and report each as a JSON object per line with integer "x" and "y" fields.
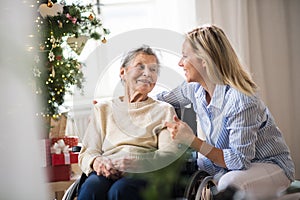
{"x": 240, "y": 125}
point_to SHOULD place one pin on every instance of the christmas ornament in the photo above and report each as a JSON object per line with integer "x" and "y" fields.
{"x": 91, "y": 17}
{"x": 50, "y": 3}
{"x": 77, "y": 44}
{"x": 42, "y": 47}
{"x": 54, "y": 10}
{"x": 60, "y": 24}
{"x": 36, "y": 72}
{"x": 51, "y": 56}
{"x": 72, "y": 19}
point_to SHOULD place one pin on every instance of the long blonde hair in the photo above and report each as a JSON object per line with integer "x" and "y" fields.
{"x": 223, "y": 66}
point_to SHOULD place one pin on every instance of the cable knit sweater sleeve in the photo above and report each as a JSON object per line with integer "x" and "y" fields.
{"x": 91, "y": 143}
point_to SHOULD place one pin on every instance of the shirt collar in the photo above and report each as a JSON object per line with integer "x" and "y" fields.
{"x": 218, "y": 96}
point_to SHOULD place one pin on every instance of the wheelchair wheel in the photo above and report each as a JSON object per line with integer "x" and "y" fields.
{"x": 194, "y": 183}
{"x": 207, "y": 189}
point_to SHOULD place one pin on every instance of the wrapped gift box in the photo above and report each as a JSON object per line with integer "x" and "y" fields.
{"x": 64, "y": 158}
{"x": 58, "y": 173}
{"x": 69, "y": 140}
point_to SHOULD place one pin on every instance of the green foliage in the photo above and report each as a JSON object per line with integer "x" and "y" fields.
{"x": 161, "y": 183}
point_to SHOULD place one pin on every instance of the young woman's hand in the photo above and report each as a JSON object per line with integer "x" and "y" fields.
{"x": 180, "y": 131}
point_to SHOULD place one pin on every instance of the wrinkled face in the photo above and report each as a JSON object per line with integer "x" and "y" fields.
{"x": 141, "y": 74}
{"x": 192, "y": 65}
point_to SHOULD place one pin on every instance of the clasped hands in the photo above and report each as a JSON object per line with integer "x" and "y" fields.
{"x": 180, "y": 131}
{"x": 112, "y": 169}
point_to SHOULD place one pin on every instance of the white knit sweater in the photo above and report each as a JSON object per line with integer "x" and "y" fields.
{"x": 119, "y": 129}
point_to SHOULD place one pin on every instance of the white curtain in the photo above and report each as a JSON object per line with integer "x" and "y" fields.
{"x": 265, "y": 34}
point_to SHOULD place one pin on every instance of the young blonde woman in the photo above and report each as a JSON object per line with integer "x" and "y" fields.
{"x": 243, "y": 143}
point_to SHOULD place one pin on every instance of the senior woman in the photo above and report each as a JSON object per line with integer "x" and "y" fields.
{"x": 243, "y": 143}
{"x": 125, "y": 134}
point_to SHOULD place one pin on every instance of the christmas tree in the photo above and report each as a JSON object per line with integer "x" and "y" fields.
{"x": 62, "y": 31}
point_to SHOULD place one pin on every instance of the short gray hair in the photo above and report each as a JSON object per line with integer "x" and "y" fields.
{"x": 145, "y": 49}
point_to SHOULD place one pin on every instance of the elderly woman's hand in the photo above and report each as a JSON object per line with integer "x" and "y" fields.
{"x": 103, "y": 166}
{"x": 180, "y": 131}
{"x": 125, "y": 164}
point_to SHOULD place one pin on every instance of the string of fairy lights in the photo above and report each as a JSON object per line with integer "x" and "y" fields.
{"x": 62, "y": 31}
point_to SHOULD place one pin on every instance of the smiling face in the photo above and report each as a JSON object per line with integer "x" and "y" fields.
{"x": 140, "y": 75}
{"x": 194, "y": 67}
